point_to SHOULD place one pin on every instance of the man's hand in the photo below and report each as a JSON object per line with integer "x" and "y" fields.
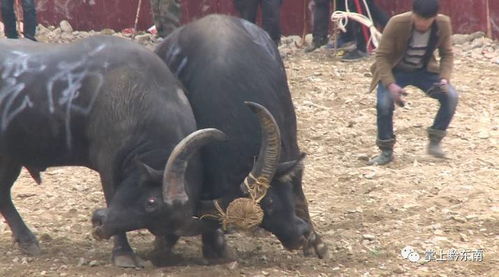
{"x": 397, "y": 92}
{"x": 440, "y": 87}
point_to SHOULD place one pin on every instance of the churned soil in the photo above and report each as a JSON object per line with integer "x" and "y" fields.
{"x": 366, "y": 214}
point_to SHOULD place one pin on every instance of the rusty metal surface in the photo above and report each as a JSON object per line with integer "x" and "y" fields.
{"x": 467, "y": 15}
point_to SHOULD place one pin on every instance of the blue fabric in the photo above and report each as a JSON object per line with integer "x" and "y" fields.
{"x": 423, "y": 80}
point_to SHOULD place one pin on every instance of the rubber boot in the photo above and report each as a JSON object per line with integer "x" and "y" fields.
{"x": 386, "y": 155}
{"x": 434, "y": 147}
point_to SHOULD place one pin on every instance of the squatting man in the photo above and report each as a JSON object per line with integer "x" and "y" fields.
{"x": 405, "y": 57}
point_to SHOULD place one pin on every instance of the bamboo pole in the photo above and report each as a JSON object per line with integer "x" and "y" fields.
{"x": 136, "y": 18}
{"x": 489, "y": 21}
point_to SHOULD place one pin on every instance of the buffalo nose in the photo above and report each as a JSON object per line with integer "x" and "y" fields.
{"x": 99, "y": 217}
{"x": 303, "y": 226}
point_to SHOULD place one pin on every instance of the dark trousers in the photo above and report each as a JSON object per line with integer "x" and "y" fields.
{"x": 9, "y": 18}
{"x": 423, "y": 80}
{"x": 322, "y": 13}
{"x": 379, "y": 17}
{"x": 271, "y": 15}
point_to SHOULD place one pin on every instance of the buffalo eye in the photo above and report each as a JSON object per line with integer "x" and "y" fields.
{"x": 151, "y": 205}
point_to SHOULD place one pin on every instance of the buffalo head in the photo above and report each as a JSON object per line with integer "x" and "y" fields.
{"x": 160, "y": 200}
{"x": 270, "y": 185}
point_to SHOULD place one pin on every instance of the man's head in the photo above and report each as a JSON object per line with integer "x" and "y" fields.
{"x": 424, "y": 13}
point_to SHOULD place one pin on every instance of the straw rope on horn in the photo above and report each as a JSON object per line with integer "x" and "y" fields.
{"x": 245, "y": 212}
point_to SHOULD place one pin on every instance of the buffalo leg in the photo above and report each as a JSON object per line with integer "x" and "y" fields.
{"x": 9, "y": 171}
{"x": 314, "y": 242}
{"x": 123, "y": 255}
{"x": 215, "y": 248}
{"x": 162, "y": 254}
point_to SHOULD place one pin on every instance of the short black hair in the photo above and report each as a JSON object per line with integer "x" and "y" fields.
{"x": 425, "y": 8}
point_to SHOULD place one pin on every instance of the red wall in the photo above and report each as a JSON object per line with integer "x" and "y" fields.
{"x": 467, "y": 15}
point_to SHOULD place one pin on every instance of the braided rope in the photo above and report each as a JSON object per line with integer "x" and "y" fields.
{"x": 244, "y": 212}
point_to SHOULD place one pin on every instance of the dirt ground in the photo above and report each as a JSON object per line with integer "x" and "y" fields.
{"x": 366, "y": 214}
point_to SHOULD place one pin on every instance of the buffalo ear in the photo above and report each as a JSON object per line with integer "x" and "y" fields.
{"x": 286, "y": 171}
{"x": 147, "y": 173}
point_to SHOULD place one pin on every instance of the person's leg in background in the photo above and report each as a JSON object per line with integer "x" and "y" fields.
{"x": 271, "y": 19}
{"x": 9, "y": 19}
{"x": 30, "y": 22}
{"x": 321, "y": 13}
{"x": 380, "y": 17}
{"x": 247, "y": 9}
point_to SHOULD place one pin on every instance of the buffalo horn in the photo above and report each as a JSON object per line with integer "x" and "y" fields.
{"x": 270, "y": 148}
{"x": 174, "y": 175}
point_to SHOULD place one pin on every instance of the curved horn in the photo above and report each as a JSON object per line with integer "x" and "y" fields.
{"x": 270, "y": 149}
{"x": 173, "y": 178}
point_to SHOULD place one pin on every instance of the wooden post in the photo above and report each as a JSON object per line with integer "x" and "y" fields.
{"x": 19, "y": 16}
{"x": 136, "y": 18}
{"x": 489, "y": 21}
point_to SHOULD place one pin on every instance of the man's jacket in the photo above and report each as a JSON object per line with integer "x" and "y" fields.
{"x": 395, "y": 41}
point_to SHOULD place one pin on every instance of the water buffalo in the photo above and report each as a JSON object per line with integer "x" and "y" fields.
{"x": 222, "y": 62}
{"x": 112, "y": 106}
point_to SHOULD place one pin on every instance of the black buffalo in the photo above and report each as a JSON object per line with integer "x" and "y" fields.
{"x": 224, "y": 61}
{"x": 110, "y": 105}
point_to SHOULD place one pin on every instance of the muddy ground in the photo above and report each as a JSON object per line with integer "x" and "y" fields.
{"x": 366, "y": 214}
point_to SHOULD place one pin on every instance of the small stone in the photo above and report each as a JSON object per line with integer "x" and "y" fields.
{"x": 107, "y": 31}
{"x": 458, "y": 219}
{"x": 233, "y": 265}
{"x": 398, "y": 270}
{"x": 142, "y": 38}
{"x": 471, "y": 217}
{"x": 368, "y": 237}
{"x": 464, "y": 238}
{"x": 370, "y": 175}
{"x": 363, "y": 157}
{"x": 93, "y": 263}
{"x": 43, "y": 273}
{"x": 66, "y": 27}
{"x": 81, "y": 261}
{"x": 45, "y": 237}
{"x": 484, "y": 135}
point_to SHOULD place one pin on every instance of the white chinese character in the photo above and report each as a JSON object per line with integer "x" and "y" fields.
{"x": 466, "y": 255}
{"x": 442, "y": 257}
{"x": 453, "y": 255}
{"x": 478, "y": 255}
{"x": 429, "y": 255}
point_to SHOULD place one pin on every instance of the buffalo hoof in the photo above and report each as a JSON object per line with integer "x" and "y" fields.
{"x": 164, "y": 258}
{"x": 215, "y": 248}
{"x": 316, "y": 246}
{"x": 127, "y": 260}
{"x": 218, "y": 255}
{"x": 30, "y": 247}
{"x": 228, "y": 258}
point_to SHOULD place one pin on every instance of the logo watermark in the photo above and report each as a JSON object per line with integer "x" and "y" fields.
{"x": 450, "y": 255}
